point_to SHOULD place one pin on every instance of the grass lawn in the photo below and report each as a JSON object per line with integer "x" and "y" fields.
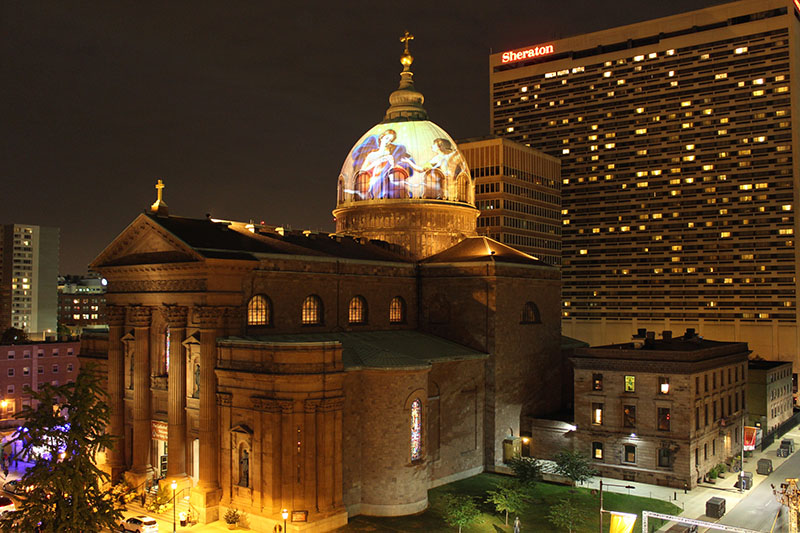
{"x": 533, "y": 519}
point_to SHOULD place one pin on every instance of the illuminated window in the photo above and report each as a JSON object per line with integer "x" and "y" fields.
{"x": 630, "y": 454}
{"x": 721, "y": 76}
{"x": 740, "y": 50}
{"x": 312, "y": 310}
{"x": 597, "y": 381}
{"x": 258, "y": 311}
{"x": 663, "y": 385}
{"x": 416, "y": 430}
{"x": 597, "y": 414}
{"x": 357, "y": 311}
{"x": 397, "y": 311}
{"x": 530, "y": 314}
{"x": 663, "y": 418}
{"x": 597, "y": 451}
{"x": 630, "y": 383}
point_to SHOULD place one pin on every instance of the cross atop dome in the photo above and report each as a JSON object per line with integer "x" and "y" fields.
{"x": 406, "y": 101}
{"x": 406, "y": 59}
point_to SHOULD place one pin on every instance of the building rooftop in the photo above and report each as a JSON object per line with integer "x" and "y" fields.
{"x": 761, "y": 364}
{"x": 374, "y": 349}
{"x": 479, "y": 249}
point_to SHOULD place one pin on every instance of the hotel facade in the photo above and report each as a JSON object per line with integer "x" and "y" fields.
{"x": 677, "y": 139}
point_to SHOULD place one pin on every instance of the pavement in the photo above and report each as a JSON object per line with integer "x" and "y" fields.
{"x": 693, "y": 502}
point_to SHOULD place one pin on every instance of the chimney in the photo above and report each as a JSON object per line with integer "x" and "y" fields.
{"x": 667, "y": 335}
{"x": 689, "y": 333}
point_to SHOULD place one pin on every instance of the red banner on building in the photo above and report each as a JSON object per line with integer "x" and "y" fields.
{"x": 159, "y": 429}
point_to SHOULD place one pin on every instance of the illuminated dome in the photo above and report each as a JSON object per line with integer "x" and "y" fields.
{"x": 405, "y": 181}
{"x": 414, "y": 160}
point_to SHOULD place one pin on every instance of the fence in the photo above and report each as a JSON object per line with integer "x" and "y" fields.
{"x": 780, "y": 431}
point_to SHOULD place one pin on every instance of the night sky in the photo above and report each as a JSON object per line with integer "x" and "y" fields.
{"x": 246, "y": 110}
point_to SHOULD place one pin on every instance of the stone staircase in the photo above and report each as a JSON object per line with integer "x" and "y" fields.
{"x": 183, "y": 506}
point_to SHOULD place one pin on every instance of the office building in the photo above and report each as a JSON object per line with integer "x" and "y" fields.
{"x": 661, "y": 411}
{"x": 678, "y": 140}
{"x": 769, "y": 394}
{"x": 81, "y": 303}
{"x": 29, "y": 277}
{"x": 518, "y": 193}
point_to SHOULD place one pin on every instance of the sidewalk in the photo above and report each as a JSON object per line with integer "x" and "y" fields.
{"x": 694, "y": 502}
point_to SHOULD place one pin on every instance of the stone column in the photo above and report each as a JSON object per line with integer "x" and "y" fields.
{"x": 207, "y": 493}
{"x": 175, "y": 317}
{"x": 139, "y": 317}
{"x": 116, "y": 389}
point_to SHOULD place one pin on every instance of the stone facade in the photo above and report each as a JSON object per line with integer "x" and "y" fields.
{"x": 661, "y": 412}
{"x": 202, "y": 393}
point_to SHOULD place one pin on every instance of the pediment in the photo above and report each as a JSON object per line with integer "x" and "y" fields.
{"x": 144, "y": 242}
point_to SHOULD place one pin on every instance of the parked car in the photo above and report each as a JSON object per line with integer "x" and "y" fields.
{"x": 139, "y": 524}
{"x": 6, "y": 505}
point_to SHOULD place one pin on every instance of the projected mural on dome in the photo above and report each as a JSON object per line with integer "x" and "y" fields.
{"x": 405, "y": 160}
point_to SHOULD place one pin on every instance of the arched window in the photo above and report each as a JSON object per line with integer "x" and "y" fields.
{"x": 530, "y": 314}
{"x": 463, "y": 187}
{"x": 340, "y": 190}
{"x": 312, "y": 310}
{"x": 397, "y": 183}
{"x": 434, "y": 183}
{"x": 397, "y": 311}
{"x": 416, "y": 430}
{"x": 361, "y": 186}
{"x": 258, "y": 311}
{"x": 357, "y": 311}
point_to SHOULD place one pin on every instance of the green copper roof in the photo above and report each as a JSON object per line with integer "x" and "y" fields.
{"x": 376, "y": 349}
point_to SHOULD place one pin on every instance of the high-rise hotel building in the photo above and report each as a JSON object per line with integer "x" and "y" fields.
{"x": 29, "y": 279}
{"x": 678, "y": 140}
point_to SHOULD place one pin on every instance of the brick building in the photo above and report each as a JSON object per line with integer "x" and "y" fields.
{"x": 81, "y": 303}
{"x": 662, "y": 411}
{"x": 336, "y": 374}
{"x": 769, "y": 394}
{"x": 31, "y": 365}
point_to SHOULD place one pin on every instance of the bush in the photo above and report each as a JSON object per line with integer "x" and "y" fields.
{"x": 123, "y": 492}
{"x": 231, "y": 516}
{"x": 161, "y": 502}
{"x": 527, "y": 469}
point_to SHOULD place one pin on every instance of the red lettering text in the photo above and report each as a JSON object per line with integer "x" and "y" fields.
{"x": 536, "y": 51}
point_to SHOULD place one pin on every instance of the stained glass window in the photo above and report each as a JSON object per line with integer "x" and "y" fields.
{"x": 166, "y": 349}
{"x": 357, "y": 311}
{"x": 397, "y": 311}
{"x": 416, "y": 430}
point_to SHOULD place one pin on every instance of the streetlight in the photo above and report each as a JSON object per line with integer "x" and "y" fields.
{"x": 285, "y": 516}
{"x": 601, "y": 498}
{"x": 174, "y": 486}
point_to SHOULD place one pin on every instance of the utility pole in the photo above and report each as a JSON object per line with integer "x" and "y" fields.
{"x": 789, "y": 495}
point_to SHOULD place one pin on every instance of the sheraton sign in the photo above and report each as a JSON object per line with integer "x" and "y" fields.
{"x": 536, "y": 51}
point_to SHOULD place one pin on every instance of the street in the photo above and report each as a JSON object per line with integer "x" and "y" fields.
{"x": 757, "y": 511}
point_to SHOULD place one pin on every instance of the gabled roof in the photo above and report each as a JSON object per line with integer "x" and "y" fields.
{"x": 397, "y": 349}
{"x": 163, "y": 239}
{"x": 478, "y": 249}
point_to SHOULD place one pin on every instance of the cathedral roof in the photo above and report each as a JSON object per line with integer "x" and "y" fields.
{"x": 478, "y": 249}
{"x": 396, "y": 349}
{"x": 238, "y": 240}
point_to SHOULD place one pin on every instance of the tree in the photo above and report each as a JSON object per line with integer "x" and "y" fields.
{"x": 527, "y": 469}
{"x": 64, "y": 429}
{"x": 460, "y": 510}
{"x": 574, "y": 465}
{"x": 508, "y": 498}
{"x": 566, "y": 514}
{"x": 14, "y": 336}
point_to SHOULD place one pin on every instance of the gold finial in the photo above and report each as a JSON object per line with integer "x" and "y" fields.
{"x": 159, "y": 206}
{"x": 406, "y": 59}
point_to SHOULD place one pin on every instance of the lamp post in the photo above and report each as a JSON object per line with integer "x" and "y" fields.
{"x": 285, "y": 516}
{"x": 174, "y": 486}
{"x": 601, "y": 498}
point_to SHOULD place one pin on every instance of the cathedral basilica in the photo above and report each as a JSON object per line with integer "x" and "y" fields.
{"x": 335, "y": 374}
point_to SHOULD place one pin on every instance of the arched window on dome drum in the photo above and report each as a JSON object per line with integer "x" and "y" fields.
{"x": 258, "y": 311}
{"x": 463, "y": 187}
{"x": 530, "y": 314}
{"x": 397, "y": 183}
{"x": 416, "y": 430}
{"x": 312, "y": 310}
{"x": 361, "y": 186}
{"x": 397, "y": 311}
{"x": 434, "y": 183}
{"x": 340, "y": 191}
{"x": 357, "y": 311}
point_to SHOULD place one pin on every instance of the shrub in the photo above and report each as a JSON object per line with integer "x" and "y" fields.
{"x": 527, "y": 469}
{"x": 231, "y": 516}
